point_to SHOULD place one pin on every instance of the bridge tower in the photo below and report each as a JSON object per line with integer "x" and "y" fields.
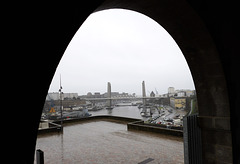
{"x": 109, "y": 101}
{"x": 144, "y": 93}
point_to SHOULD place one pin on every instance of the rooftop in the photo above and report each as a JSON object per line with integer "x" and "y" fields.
{"x": 104, "y": 141}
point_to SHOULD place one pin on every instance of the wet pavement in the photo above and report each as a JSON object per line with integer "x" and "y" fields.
{"x": 109, "y": 142}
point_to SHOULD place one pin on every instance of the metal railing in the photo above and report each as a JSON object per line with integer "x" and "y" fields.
{"x": 192, "y": 140}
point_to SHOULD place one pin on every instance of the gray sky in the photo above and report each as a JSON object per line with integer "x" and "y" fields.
{"x": 122, "y": 47}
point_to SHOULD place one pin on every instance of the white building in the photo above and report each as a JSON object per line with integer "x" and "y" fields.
{"x": 190, "y": 93}
{"x": 56, "y": 96}
{"x": 181, "y": 94}
{"x": 52, "y": 96}
{"x": 70, "y": 95}
{"x": 171, "y": 90}
{"x": 184, "y": 92}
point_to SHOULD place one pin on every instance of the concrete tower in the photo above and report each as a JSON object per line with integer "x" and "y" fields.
{"x": 109, "y": 101}
{"x": 109, "y": 90}
{"x": 144, "y": 93}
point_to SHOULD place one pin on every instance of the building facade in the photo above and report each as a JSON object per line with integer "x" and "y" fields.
{"x": 56, "y": 96}
{"x": 178, "y": 102}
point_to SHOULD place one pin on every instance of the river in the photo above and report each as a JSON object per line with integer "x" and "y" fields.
{"x": 123, "y": 111}
{"x": 134, "y": 112}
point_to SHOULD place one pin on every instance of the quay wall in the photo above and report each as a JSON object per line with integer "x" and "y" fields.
{"x": 132, "y": 124}
{"x": 141, "y": 126}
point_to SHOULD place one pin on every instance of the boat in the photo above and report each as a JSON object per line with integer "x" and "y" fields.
{"x": 95, "y": 108}
{"x": 76, "y": 114}
{"x": 109, "y": 108}
{"x": 145, "y": 113}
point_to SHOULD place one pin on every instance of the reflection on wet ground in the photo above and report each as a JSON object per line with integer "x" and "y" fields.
{"x": 108, "y": 142}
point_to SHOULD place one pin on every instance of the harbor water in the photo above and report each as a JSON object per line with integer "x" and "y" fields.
{"x": 123, "y": 111}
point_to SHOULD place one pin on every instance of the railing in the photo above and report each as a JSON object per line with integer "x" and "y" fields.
{"x": 50, "y": 128}
{"x": 192, "y": 140}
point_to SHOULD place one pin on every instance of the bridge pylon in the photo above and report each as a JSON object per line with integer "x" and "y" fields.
{"x": 143, "y": 93}
{"x": 109, "y": 101}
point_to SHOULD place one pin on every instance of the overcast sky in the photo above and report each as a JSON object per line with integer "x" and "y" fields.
{"x": 122, "y": 47}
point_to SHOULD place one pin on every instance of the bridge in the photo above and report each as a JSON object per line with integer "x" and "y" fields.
{"x": 121, "y": 98}
{"x": 109, "y": 98}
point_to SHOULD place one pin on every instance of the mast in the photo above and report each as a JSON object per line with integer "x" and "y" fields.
{"x": 61, "y": 110}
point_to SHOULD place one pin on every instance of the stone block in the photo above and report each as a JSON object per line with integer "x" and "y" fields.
{"x": 223, "y": 153}
{"x": 222, "y": 110}
{"x": 215, "y": 123}
{"x": 222, "y": 123}
{"x": 217, "y": 137}
{"x": 206, "y": 122}
{"x": 216, "y": 154}
{"x": 205, "y": 109}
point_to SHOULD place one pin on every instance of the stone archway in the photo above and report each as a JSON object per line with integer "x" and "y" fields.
{"x": 54, "y": 26}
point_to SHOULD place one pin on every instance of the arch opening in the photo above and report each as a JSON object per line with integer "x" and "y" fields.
{"x": 124, "y": 51}
{"x": 193, "y": 38}
{"x": 199, "y": 50}
{"x": 148, "y": 54}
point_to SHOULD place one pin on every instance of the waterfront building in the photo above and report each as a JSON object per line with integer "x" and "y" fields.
{"x": 97, "y": 95}
{"x": 171, "y": 91}
{"x": 56, "y": 96}
{"x": 178, "y": 102}
{"x": 89, "y": 94}
{"x": 152, "y": 94}
{"x": 181, "y": 94}
{"x": 70, "y": 95}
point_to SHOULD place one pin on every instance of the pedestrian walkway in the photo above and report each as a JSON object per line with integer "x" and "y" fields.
{"x": 109, "y": 142}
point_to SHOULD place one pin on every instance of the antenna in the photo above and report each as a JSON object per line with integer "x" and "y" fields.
{"x": 61, "y": 106}
{"x": 60, "y": 84}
